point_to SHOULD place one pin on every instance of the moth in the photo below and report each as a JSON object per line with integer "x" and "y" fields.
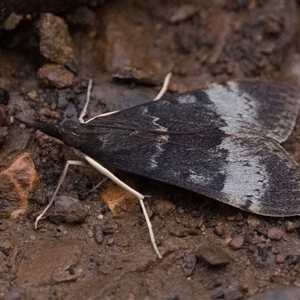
{"x": 222, "y": 142}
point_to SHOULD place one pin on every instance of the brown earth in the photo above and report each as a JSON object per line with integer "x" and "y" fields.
{"x": 82, "y": 249}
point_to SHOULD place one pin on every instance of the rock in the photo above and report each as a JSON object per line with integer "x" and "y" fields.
{"x": 213, "y": 284}
{"x": 55, "y": 40}
{"x": 3, "y": 133}
{"x": 67, "y": 209}
{"x": 118, "y": 200}
{"x": 55, "y": 75}
{"x": 237, "y": 242}
{"x": 39, "y": 197}
{"x": 63, "y": 202}
{"x": 5, "y": 247}
{"x": 219, "y": 230}
{"x": 189, "y": 264}
{"x": 124, "y": 62}
{"x": 289, "y": 293}
{"x": 234, "y": 295}
{"x": 213, "y": 256}
{"x": 280, "y": 258}
{"x": 275, "y": 233}
{"x": 14, "y": 295}
{"x": 12, "y": 21}
{"x": 17, "y": 181}
{"x": 180, "y": 210}
{"x": 178, "y": 233}
{"x": 290, "y": 226}
{"x": 4, "y": 115}
{"x": 182, "y": 13}
{"x": 164, "y": 207}
{"x": 291, "y": 68}
{"x": 253, "y": 221}
{"x": 231, "y": 218}
{"x": 110, "y": 242}
{"x": 219, "y": 295}
{"x": 109, "y": 228}
{"x": 76, "y": 213}
{"x": 98, "y": 233}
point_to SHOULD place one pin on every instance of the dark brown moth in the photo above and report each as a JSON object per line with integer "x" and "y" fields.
{"x": 222, "y": 142}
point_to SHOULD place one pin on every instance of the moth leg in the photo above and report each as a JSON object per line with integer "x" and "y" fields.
{"x": 60, "y": 181}
{"x": 112, "y": 177}
{"x": 164, "y": 88}
{"x": 97, "y": 185}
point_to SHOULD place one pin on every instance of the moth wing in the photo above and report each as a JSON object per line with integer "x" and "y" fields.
{"x": 247, "y": 106}
{"x": 252, "y": 173}
{"x": 265, "y": 107}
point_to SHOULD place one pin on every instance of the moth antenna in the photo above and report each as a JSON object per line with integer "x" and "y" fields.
{"x": 88, "y": 96}
{"x": 160, "y": 94}
{"x": 164, "y": 88}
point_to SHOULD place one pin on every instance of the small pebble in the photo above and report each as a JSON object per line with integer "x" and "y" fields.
{"x": 108, "y": 229}
{"x": 280, "y": 258}
{"x": 262, "y": 283}
{"x": 90, "y": 233}
{"x": 56, "y": 75}
{"x": 182, "y": 13}
{"x": 219, "y": 295}
{"x": 98, "y": 233}
{"x": 33, "y": 95}
{"x": 213, "y": 284}
{"x": 234, "y": 295}
{"x": 180, "y": 210}
{"x": 287, "y": 293}
{"x": 110, "y": 242}
{"x": 189, "y": 264}
{"x": 76, "y": 213}
{"x": 164, "y": 207}
{"x": 237, "y": 242}
{"x": 219, "y": 230}
{"x": 297, "y": 283}
{"x": 290, "y": 226}
{"x": 231, "y": 218}
{"x": 275, "y": 233}
{"x": 213, "y": 256}
{"x": 55, "y": 40}
{"x": 178, "y": 220}
{"x": 253, "y": 221}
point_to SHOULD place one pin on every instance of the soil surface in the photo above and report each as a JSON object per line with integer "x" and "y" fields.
{"x": 95, "y": 245}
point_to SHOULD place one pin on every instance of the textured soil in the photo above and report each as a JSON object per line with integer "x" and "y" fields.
{"x": 95, "y": 245}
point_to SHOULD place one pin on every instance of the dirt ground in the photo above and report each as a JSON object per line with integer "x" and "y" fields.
{"x": 95, "y": 245}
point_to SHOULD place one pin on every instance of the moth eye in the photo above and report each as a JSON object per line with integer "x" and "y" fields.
{"x": 72, "y": 140}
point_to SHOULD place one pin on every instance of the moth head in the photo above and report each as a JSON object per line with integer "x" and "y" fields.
{"x": 66, "y": 132}
{"x": 70, "y": 133}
